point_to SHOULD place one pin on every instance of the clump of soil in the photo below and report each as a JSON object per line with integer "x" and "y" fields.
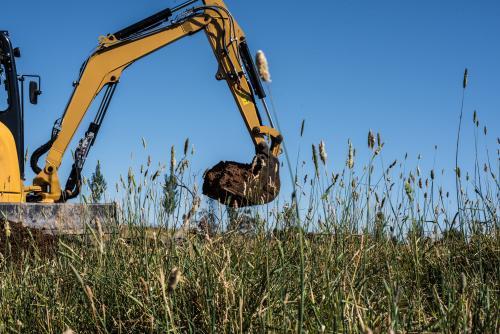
{"x": 21, "y": 239}
{"x": 239, "y": 185}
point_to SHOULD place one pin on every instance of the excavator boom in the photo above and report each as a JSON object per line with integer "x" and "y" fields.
{"x": 231, "y": 183}
{"x": 116, "y": 52}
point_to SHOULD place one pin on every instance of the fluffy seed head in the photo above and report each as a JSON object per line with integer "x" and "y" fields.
{"x": 350, "y": 156}
{"x": 322, "y": 152}
{"x": 263, "y": 66}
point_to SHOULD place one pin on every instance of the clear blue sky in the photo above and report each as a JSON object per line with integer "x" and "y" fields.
{"x": 345, "y": 66}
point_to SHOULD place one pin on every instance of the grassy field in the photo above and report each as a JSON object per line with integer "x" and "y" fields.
{"x": 363, "y": 250}
{"x": 337, "y": 283}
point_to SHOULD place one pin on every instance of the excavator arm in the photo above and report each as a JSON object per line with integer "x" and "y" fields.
{"x": 102, "y": 71}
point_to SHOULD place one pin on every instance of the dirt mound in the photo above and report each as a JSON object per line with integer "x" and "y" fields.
{"x": 239, "y": 185}
{"x": 16, "y": 239}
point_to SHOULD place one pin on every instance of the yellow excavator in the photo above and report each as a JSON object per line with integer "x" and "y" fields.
{"x": 43, "y": 203}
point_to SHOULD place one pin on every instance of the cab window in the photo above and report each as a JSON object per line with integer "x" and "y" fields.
{"x": 4, "y": 89}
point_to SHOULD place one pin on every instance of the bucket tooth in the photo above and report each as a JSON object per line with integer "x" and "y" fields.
{"x": 240, "y": 185}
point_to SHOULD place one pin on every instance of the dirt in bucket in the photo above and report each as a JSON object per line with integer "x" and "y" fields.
{"x": 240, "y": 185}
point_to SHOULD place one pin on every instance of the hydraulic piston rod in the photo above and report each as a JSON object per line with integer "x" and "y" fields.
{"x": 151, "y": 21}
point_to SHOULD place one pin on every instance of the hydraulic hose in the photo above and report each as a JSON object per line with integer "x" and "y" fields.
{"x": 38, "y": 153}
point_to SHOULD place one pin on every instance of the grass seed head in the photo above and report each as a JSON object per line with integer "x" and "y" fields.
{"x": 172, "y": 160}
{"x": 315, "y": 159}
{"x": 350, "y": 156}
{"x": 7, "y": 229}
{"x": 174, "y": 279}
{"x": 371, "y": 140}
{"x": 263, "y": 66}
{"x": 130, "y": 176}
{"x": 186, "y": 146}
{"x": 466, "y": 77}
{"x": 89, "y": 292}
{"x": 302, "y": 127}
{"x": 463, "y": 282}
{"x": 322, "y": 152}
{"x": 408, "y": 190}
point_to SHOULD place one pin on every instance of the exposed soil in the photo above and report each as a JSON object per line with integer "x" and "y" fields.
{"x": 22, "y": 239}
{"x": 239, "y": 185}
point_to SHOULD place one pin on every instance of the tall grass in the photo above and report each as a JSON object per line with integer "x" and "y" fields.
{"x": 390, "y": 261}
{"x": 376, "y": 249}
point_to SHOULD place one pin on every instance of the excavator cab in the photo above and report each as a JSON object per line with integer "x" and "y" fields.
{"x": 11, "y": 124}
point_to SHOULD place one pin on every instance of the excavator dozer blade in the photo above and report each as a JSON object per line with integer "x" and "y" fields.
{"x": 60, "y": 219}
{"x": 241, "y": 185}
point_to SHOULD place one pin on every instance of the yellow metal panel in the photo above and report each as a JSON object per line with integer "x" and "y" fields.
{"x": 10, "y": 177}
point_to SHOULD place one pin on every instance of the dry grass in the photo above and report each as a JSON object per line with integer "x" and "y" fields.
{"x": 345, "y": 266}
{"x": 372, "y": 251}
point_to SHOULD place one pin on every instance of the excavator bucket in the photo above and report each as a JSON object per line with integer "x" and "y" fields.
{"x": 60, "y": 219}
{"x": 240, "y": 185}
